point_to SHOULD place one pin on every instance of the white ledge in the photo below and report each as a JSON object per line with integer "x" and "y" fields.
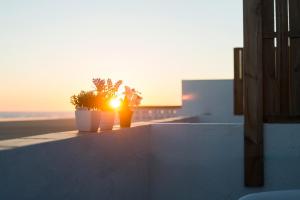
{"x": 51, "y": 137}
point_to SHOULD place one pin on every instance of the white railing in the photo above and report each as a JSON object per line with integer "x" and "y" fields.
{"x": 146, "y": 113}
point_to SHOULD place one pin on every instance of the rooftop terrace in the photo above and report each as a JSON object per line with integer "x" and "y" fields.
{"x": 149, "y": 161}
{"x": 198, "y": 157}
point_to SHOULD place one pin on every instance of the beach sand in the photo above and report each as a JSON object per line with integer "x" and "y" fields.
{"x": 17, "y": 129}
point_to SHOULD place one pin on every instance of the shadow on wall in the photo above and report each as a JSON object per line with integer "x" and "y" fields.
{"x": 84, "y": 167}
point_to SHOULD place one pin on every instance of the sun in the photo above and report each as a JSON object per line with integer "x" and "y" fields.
{"x": 115, "y": 103}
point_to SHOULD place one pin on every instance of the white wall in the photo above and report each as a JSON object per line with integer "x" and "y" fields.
{"x": 205, "y": 161}
{"x": 282, "y": 155}
{"x": 104, "y": 166}
{"x": 153, "y": 162}
{"x": 211, "y": 100}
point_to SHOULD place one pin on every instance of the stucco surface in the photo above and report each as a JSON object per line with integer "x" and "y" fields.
{"x": 90, "y": 166}
{"x": 149, "y": 162}
{"x": 211, "y": 100}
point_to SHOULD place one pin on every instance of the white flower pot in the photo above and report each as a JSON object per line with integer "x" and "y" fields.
{"x": 87, "y": 121}
{"x": 107, "y": 121}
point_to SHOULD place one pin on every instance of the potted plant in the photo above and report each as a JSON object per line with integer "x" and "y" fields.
{"x": 106, "y": 92}
{"x": 87, "y": 115}
{"x": 132, "y": 99}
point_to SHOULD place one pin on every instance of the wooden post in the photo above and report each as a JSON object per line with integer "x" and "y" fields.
{"x": 238, "y": 81}
{"x": 253, "y": 91}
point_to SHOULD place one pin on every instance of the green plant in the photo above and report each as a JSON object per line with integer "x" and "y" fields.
{"x": 86, "y": 100}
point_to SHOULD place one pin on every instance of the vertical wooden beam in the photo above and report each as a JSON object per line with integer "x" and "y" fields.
{"x": 284, "y": 69}
{"x": 253, "y": 91}
{"x": 271, "y": 88}
{"x": 294, "y": 8}
{"x": 238, "y": 81}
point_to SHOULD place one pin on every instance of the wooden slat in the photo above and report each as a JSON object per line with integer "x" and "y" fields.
{"x": 238, "y": 81}
{"x": 268, "y": 17}
{"x": 294, "y": 16}
{"x": 294, "y": 35}
{"x": 253, "y": 91}
{"x": 283, "y": 119}
{"x": 295, "y": 76}
{"x": 271, "y": 97}
{"x": 270, "y": 35}
{"x": 295, "y": 57}
{"x": 282, "y": 58}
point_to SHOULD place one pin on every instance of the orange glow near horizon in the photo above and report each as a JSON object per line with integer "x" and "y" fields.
{"x": 44, "y": 61}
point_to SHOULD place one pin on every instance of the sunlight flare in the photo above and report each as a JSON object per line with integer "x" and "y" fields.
{"x": 115, "y": 103}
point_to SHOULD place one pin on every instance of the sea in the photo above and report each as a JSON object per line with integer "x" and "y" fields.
{"x": 29, "y": 116}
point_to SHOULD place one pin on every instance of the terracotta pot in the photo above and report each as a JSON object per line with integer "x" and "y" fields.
{"x": 107, "y": 120}
{"x": 125, "y": 118}
{"x": 87, "y": 121}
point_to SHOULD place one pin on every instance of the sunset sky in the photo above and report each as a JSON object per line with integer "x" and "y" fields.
{"x": 51, "y": 49}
